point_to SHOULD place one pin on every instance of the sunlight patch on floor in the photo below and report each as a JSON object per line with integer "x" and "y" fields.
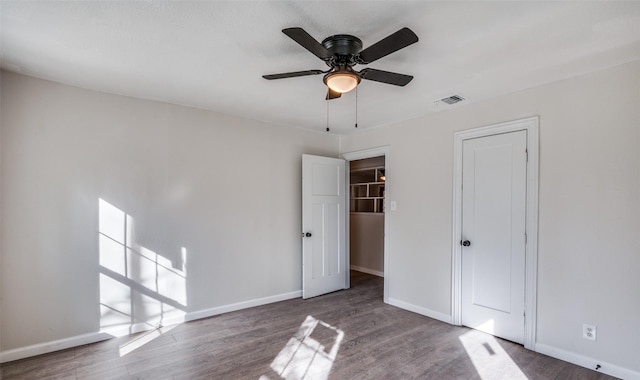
{"x": 143, "y": 339}
{"x": 310, "y": 353}
{"x": 489, "y": 358}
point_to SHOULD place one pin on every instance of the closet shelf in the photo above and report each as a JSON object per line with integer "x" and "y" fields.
{"x": 367, "y": 190}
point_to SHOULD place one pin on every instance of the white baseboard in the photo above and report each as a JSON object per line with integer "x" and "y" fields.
{"x": 123, "y": 330}
{"x": 587, "y": 362}
{"x": 367, "y": 270}
{"x": 56, "y": 345}
{"x": 241, "y": 305}
{"x": 421, "y": 310}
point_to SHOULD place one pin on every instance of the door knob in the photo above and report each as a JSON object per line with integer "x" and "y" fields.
{"x": 465, "y": 243}
{"x": 308, "y": 234}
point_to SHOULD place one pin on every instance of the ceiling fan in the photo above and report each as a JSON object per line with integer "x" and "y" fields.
{"x": 342, "y": 52}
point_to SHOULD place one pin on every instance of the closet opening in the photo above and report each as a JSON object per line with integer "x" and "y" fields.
{"x": 366, "y": 215}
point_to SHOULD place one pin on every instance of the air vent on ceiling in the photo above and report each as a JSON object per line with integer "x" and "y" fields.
{"x": 453, "y": 99}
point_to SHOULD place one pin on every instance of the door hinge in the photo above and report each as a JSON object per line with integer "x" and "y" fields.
{"x": 526, "y": 152}
{"x": 525, "y": 238}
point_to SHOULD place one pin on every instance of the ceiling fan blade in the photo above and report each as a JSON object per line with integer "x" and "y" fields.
{"x": 392, "y": 43}
{"x": 385, "y": 77}
{"x": 332, "y": 94}
{"x": 306, "y": 41}
{"x": 292, "y": 74}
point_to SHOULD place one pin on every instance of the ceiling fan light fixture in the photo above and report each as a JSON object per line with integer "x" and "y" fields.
{"x": 341, "y": 52}
{"x": 342, "y": 81}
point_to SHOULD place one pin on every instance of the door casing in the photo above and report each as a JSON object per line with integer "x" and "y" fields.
{"x": 530, "y": 125}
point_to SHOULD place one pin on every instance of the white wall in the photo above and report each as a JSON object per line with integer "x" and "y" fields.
{"x": 366, "y": 242}
{"x": 589, "y": 210}
{"x": 224, "y": 189}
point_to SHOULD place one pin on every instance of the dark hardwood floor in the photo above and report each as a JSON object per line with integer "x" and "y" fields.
{"x": 295, "y": 338}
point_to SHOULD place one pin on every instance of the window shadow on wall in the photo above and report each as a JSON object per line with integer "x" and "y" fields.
{"x": 139, "y": 289}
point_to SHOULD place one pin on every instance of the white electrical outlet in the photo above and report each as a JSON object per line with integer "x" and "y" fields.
{"x": 589, "y": 332}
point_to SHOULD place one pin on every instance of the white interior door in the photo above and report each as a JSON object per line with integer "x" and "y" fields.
{"x": 493, "y": 234}
{"x": 324, "y": 257}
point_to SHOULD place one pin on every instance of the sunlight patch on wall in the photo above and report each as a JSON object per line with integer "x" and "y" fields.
{"x": 490, "y": 360}
{"x": 310, "y": 353}
{"x": 139, "y": 288}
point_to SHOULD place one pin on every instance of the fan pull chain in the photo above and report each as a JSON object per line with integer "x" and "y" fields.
{"x": 356, "y": 106}
{"x": 327, "y": 115}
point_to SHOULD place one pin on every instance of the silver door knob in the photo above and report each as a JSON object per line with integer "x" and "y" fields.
{"x": 465, "y": 243}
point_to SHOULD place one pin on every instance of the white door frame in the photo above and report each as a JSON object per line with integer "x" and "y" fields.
{"x": 531, "y": 250}
{"x": 359, "y": 155}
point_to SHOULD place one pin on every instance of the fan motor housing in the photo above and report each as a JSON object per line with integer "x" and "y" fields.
{"x": 343, "y": 44}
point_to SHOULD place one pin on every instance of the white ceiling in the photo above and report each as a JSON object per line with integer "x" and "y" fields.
{"x": 212, "y": 54}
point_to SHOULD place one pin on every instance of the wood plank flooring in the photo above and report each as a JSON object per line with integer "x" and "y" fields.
{"x": 378, "y": 342}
